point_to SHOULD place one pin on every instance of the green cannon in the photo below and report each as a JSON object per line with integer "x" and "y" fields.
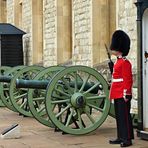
{"x": 72, "y": 99}
{"x": 71, "y": 103}
{"x": 36, "y": 96}
{"x": 17, "y": 99}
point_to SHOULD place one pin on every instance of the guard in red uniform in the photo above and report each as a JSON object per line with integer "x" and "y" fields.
{"x": 121, "y": 88}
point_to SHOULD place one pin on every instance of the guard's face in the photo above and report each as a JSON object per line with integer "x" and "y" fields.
{"x": 116, "y": 53}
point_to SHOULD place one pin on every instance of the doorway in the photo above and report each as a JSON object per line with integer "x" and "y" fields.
{"x": 145, "y": 69}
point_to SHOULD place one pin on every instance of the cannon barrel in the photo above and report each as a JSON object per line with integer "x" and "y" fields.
{"x": 6, "y": 79}
{"x": 36, "y": 84}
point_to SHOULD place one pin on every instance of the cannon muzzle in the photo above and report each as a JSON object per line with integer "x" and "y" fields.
{"x": 36, "y": 84}
{"x": 5, "y": 79}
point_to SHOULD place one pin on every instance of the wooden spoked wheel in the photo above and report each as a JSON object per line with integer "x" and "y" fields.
{"x": 4, "y": 88}
{"x": 3, "y": 70}
{"x": 36, "y": 97}
{"x": 18, "y": 96}
{"x": 85, "y": 103}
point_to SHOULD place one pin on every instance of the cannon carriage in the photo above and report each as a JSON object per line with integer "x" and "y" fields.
{"x": 73, "y": 99}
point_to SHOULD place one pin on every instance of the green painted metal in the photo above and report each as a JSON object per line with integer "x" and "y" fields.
{"x": 4, "y": 88}
{"x": 3, "y": 70}
{"x": 36, "y": 97}
{"x": 90, "y": 109}
{"x": 37, "y": 84}
{"x": 18, "y": 96}
{"x": 6, "y": 79}
{"x": 78, "y": 100}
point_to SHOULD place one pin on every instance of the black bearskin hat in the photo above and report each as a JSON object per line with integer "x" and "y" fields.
{"x": 120, "y": 42}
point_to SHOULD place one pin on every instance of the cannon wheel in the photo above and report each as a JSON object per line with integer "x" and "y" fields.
{"x": 3, "y": 70}
{"x": 36, "y": 97}
{"x": 88, "y": 101}
{"x": 4, "y": 88}
{"x": 18, "y": 96}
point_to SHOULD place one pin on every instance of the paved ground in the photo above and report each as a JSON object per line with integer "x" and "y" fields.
{"x": 35, "y": 135}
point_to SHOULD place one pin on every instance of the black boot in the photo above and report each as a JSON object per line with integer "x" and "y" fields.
{"x": 115, "y": 141}
{"x": 126, "y": 143}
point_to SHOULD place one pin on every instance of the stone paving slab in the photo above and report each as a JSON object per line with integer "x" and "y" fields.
{"x": 35, "y": 135}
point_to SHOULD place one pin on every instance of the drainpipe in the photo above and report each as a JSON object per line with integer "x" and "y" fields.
{"x": 140, "y": 65}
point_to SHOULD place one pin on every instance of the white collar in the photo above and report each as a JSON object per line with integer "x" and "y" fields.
{"x": 120, "y": 57}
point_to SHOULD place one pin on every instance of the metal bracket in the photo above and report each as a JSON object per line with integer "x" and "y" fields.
{"x": 146, "y": 56}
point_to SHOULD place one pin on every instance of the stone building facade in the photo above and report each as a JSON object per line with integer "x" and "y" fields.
{"x": 72, "y": 32}
{"x": 75, "y": 31}
{"x": 59, "y": 31}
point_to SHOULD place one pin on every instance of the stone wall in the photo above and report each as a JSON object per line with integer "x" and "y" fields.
{"x": 103, "y": 25}
{"x": 93, "y": 24}
{"x": 49, "y": 52}
{"x": 87, "y": 44}
{"x": 83, "y": 44}
{"x": 3, "y": 11}
{"x": 82, "y": 32}
{"x": 127, "y": 13}
{"x": 27, "y": 27}
{"x": 10, "y": 11}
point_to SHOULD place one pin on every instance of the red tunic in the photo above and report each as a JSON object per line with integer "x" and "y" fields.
{"x": 121, "y": 79}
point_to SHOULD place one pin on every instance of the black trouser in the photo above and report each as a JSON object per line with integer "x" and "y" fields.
{"x": 123, "y": 119}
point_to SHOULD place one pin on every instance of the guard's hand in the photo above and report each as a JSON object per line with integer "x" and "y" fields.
{"x": 128, "y": 98}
